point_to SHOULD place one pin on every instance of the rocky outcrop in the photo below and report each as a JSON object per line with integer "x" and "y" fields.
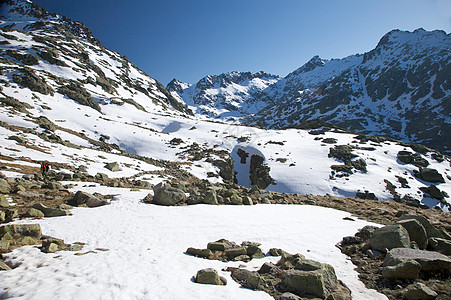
{"x": 209, "y": 276}
{"x": 430, "y": 261}
{"x": 87, "y": 200}
{"x": 259, "y": 173}
{"x": 165, "y": 194}
{"x": 389, "y": 237}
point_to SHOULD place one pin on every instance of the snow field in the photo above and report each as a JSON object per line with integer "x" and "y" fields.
{"x": 146, "y": 244}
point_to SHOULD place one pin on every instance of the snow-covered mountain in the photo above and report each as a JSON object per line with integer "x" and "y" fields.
{"x": 401, "y": 89}
{"x": 232, "y": 94}
{"x": 53, "y": 55}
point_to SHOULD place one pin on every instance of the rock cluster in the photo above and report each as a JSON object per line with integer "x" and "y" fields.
{"x": 225, "y": 250}
{"x": 393, "y": 258}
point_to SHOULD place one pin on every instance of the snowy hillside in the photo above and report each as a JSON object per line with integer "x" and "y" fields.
{"x": 400, "y": 89}
{"x": 232, "y": 94}
{"x": 50, "y": 54}
{"x": 107, "y": 128}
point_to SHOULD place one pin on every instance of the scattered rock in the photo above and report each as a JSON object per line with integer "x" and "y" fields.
{"x": 34, "y": 213}
{"x": 406, "y": 270}
{"x": 86, "y": 199}
{"x": 389, "y": 237}
{"x": 5, "y": 188}
{"x": 113, "y": 167}
{"x": 166, "y": 195}
{"x": 416, "y": 231}
{"x": 4, "y": 203}
{"x": 209, "y": 276}
{"x": 430, "y": 261}
{"x": 440, "y": 245}
{"x": 431, "y": 231}
{"x": 412, "y": 158}
{"x": 419, "y": 291}
{"x": 317, "y": 283}
{"x": 204, "y": 253}
{"x": 429, "y": 175}
{"x": 51, "y": 212}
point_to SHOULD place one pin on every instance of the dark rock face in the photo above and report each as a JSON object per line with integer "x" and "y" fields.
{"x": 429, "y": 175}
{"x": 259, "y": 173}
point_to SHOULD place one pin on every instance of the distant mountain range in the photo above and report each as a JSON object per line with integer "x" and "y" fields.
{"x": 401, "y": 89}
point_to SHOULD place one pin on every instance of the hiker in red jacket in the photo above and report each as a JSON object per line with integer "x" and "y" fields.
{"x": 43, "y": 169}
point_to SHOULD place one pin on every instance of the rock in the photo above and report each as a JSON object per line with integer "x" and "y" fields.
{"x": 242, "y": 257}
{"x": 419, "y": 291}
{"x": 289, "y": 296}
{"x": 366, "y": 195}
{"x": 3, "y": 266}
{"x": 113, "y": 167}
{"x": 307, "y": 265}
{"x": 366, "y": 232}
{"x": 440, "y": 245}
{"x": 268, "y": 268}
{"x": 218, "y": 246}
{"x": 255, "y": 280}
{"x": 50, "y": 248}
{"x": 101, "y": 176}
{"x": 234, "y": 252}
{"x": 431, "y": 231}
{"x": 32, "y": 230}
{"x": 434, "y": 192}
{"x": 52, "y": 185}
{"x": 4, "y": 203}
{"x": 204, "y": 253}
{"x": 259, "y": 173}
{"x": 83, "y": 198}
{"x": 34, "y": 213}
{"x": 276, "y": 252}
{"x": 406, "y": 270}
{"x": 167, "y": 195}
{"x": 18, "y": 139}
{"x": 416, "y": 231}
{"x": 210, "y": 198}
{"x": 430, "y": 261}
{"x": 350, "y": 240}
{"x": 247, "y": 200}
{"x": 2, "y": 216}
{"x": 208, "y": 276}
{"x": 5, "y": 188}
{"x": 236, "y": 200}
{"x": 389, "y": 237}
{"x": 317, "y": 283}
{"x": 51, "y": 212}
{"x": 429, "y": 175}
{"x": 412, "y": 158}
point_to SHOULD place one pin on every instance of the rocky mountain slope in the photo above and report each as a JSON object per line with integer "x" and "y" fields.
{"x": 400, "y": 89}
{"x": 53, "y": 55}
{"x": 232, "y": 94}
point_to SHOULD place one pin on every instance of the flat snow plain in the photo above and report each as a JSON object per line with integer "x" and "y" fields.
{"x": 146, "y": 244}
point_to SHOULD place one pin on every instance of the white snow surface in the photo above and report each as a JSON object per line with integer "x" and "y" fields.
{"x": 146, "y": 244}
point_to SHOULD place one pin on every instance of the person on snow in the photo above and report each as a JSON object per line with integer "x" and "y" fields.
{"x": 43, "y": 169}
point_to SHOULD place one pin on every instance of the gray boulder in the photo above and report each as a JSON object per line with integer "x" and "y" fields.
{"x": 204, "y": 253}
{"x": 234, "y": 252}
{"x": 4, "y": 203}
{"x": 113, "y": 167}
{"x": 209, "y": 276}
{"x": 389, "y": 237}
{"x": 431, "y": 231}
{"x": 51, "y": 212}
{"x": 429, "y": 175}
{"x": 34, "y": 213}
{"x": 317, "y": 283}
{"x": 406, "y": 270}
{"x": 416, "y": 231}
{"x": 440, "y": 245}
{"x": 210, "y": 198}
{"x": 5, "y": 188}
{"x": 31, "y": 230}
{"x": 430, "y": 261}
{"x": 289, "y": 296}
{"x": 419, "y": 291}
{"x": 167, "y": 195}
{"x": 86, "y": 199}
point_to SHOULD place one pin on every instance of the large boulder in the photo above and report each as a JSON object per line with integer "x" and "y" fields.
{"x": 430, "y": 261}
{"x": 431, "y": 230}
{"x": 86, "y": 199}
{"x": 406, "y": 270}
{"x": 210, "y": 198}
{"x": 5, "y": 188}
{"x": 209, "y": 276}
{"x": 416, "y": 231}
{"x": 429, "y": 175}
{"x": 4, "y": 203}
{"x": 113, "y": 167}
{"x": 419, "y": 291}
{"x": 389, "y": 237}
{"x": 317, "y": 283}
{"x": 440, "y": 245}
{"x": 165, "y": 194}
{"x": 50, "y": 211}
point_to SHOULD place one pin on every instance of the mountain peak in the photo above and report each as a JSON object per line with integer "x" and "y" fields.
{"x": 312, "y": 64}
{"x": 29, "y": 16}
{"x": 177, "y": 86}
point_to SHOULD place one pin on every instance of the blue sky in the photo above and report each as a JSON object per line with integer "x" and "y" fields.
{"x": 189, "y": 39}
